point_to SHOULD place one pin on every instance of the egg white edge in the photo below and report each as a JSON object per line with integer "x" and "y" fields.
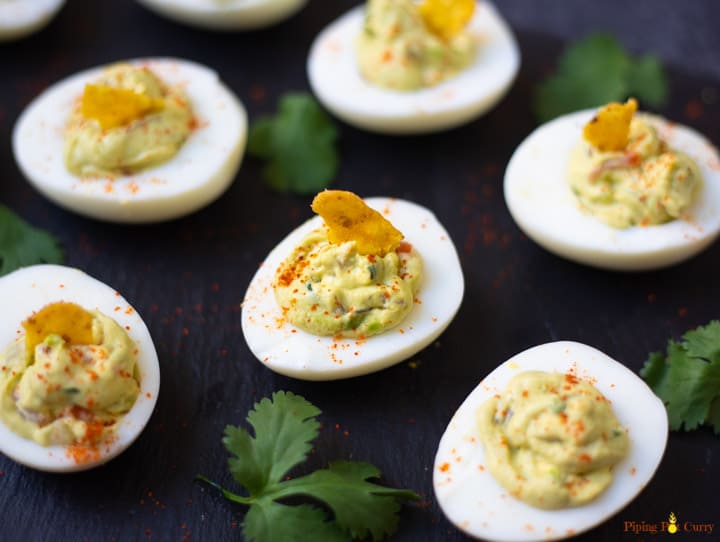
{"x": 238, "y": 15}
{"x": 470, "y": 497}
{"x": 39, "y": 285}
{"x": 293, "y": 352}
{"x": 21, "y": 18}
{"x": 451, "y": 103}
{"x": 213, "y": 150}
{"x": 539, "y": 198}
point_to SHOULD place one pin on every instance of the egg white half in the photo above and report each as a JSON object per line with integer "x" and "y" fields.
{"x": 199, "y": 173}
{"x": 19, "y": 18}
{"x": 540, "y": 200}
{"x": 293, "y": 352}
{"x": 28, "y": 290}
{"x": 226, "y": 14}
{"x": 477, "y": 504}
{"x": 336, "y": 80}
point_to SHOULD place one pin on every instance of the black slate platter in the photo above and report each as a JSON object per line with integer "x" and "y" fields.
{"x": 187, "y": 278}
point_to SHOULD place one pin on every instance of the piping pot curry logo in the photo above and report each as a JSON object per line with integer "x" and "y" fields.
{"x": 672, "y": 526}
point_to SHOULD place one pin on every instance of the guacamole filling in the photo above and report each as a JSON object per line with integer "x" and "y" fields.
{"x": 332, "y": 289}
{"x": 126, "y": 121}
{"x": 551, "y": 439}
{"x": 398, "y": 51}
{"x": 646, "y": 183}
{"x": 68, "y": 394}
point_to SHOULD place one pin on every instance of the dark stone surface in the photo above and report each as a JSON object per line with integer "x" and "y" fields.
{"x": 191, "y": 275}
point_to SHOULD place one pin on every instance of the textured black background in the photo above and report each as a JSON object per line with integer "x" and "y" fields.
{"x": 187, "y": 277}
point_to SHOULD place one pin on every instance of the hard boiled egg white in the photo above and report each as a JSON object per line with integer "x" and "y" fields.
{"x": 291, "y": 351}
{"x": 226, "y": 14}
{"x": 203, "y": 168}
{"x": 477, "y": 504}
{"x": 541, "y": 202}
{"x": 19, "y": 18}
{"x": 336, "y": 80}
{"x": 30, "y": 289}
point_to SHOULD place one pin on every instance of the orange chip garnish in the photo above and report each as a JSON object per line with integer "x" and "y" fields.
{"x": 447, "y": 18}
{"x": 609, "y": 129}
{"x": 350, "y": 219}
{"x": 70, "y": 321}
{"x": 113, "y": 106}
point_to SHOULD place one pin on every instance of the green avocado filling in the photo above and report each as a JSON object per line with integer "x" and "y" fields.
{"x": 331, "y": 289}
{"x": 645, "y": 184}
{"x": 69, "y": 394}
{"x": 148, "y": 136}
{"x": 551, "y": 439}
{"x": 397, "y": 51}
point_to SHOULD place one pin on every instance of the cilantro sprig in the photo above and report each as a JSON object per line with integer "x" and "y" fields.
{"x": 598, "y": 70}
{"x": 22, "y": 244}
{"x": 687, "y": 378}
{"x": 285, "y": 427}
{"x": 298, "y": 144}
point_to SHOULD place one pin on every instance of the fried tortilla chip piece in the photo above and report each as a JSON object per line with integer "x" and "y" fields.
{"x": 447, "y": 18}
{"x": 70, "y": 321}
{"x": 350, "y": 219}
{"x": 609, "y": 128}
{"x": 113, "y": 107}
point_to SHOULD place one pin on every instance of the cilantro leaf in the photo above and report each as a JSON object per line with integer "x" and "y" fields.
{"x": 687, "y": 378}
{"x": 714, "y": 415}
{"x": 21, "y": 244}
{"x": 695, "y": 383}
{"x": 289, "y": 524}
{"x": 284, "y": 429}
{"x": 647, "y": 81}
{"x": 597, "y": 70}
{"x": 655, "y": 373}
{"x": 704, "y": 342}
{"x": 298, "y": 144}
{"x": 359, "y": 506}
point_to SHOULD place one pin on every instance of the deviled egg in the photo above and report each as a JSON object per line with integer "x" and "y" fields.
{"x": 20, "y": 18}
{"x": 226, "y": 14}
{"x": 141, "y": 141}
{"x": 619, "y": 428}
{"x": 396, "y": 66}
{"x": 652, "y": 202}
{"x": 79, "y": 374}
{"x": 329, "y": 303}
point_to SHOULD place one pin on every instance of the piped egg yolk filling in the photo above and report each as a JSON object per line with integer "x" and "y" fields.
{"x": 126, "y": 121}
{"x": 69, "y": 378}
{"x": 625, "y": 175}
{"x": 354, "y": 277}
{"x": 551, "y": 439}
{"x": 407, "y": 46}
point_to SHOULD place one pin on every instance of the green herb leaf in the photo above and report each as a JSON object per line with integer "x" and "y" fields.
{"x": 714, "y": 415}
{"x": 595, "y": 71}
{"x": 655, "y": 372}
{"x": 704, "y": 342}
{"x": 21, "y": 244}
{"x": 687, "y": 378}
{"x": 647, "y": 81}
{"x": 359, "y": 506}
{"x": 298, "y": 144}
{"x": 269, "y": 521}
{"x": 284, "y": 429}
